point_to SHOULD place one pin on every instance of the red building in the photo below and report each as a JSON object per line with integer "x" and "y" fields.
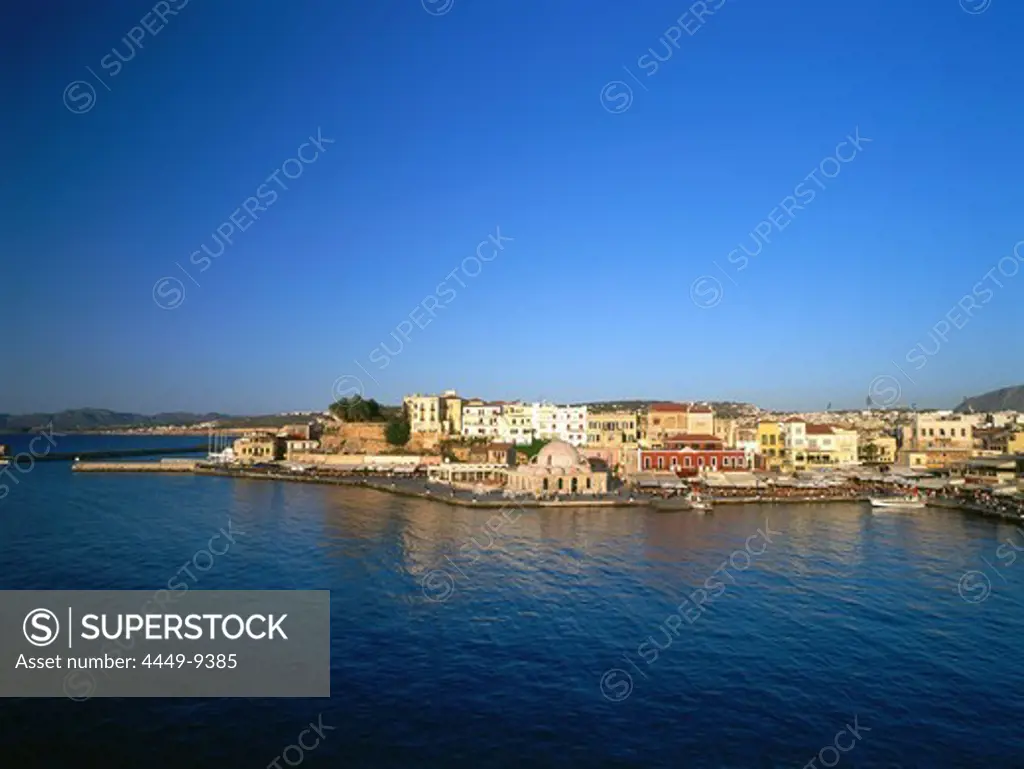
{"x": 692, "y": 454}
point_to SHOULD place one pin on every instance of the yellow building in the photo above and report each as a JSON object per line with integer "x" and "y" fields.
{"x": 425, "y": 413}
{"x": 725, "y": 431}
{"x": 610, "y": 429}
{"x": 434, "y": 414}
{"x": 937, "y": 440}
{"x": 665, "y": 420}
{"x": 940, "y": 430}
{"x": 1004, "y": 441}
{"x": 771, "y": 449}
{"x": 259, "y": 447}
{"x": 847, "y": 445}
{"x": 882, "y": 450}
{"x": 451, "y": 409}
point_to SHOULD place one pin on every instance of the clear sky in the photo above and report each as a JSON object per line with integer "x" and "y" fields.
{"x": 446, "y": 122}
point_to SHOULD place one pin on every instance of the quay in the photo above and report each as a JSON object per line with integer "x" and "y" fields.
{"x": 408, "y": 487}
{"x": 163, "y": 466}
{"x": 403, "y": 488}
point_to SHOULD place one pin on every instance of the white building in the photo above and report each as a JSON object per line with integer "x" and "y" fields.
{"x": 480, "y": 420}
{"x": 564, "y": 423}
{"x": 749, "y": 448}
{"x": 515, "y": 424}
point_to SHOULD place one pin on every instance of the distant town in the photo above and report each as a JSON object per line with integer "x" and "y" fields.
{"x": 544, "y": 448}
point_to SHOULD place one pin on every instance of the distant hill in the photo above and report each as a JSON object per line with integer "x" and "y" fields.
{"x": 1005, "y": 399}
{"x": 104, "y": 419}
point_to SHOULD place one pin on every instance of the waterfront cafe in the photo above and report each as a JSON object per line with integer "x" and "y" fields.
{"x": 664, "y": 479}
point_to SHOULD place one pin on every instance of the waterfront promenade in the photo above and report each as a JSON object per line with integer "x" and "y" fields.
{"x": 418, "y": 487}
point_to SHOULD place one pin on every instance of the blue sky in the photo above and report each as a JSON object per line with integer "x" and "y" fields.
{"x": 489, "y": 117}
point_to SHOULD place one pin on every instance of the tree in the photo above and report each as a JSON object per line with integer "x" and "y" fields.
{"x": 356, "y": 410}
{"x": 397, "y": 431}
{"x": 869, "y": 452}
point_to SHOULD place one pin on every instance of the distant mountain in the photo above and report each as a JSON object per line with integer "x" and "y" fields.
{"x": 1005, "y": 399}
{"x": 104, "y": 419}
{"x": 99, "y": 419}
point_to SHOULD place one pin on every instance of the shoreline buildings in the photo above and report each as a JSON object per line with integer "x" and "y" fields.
{"x": 689, "y": 440}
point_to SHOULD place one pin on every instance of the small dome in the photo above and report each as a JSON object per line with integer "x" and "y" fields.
{"x": 559, "y": 454}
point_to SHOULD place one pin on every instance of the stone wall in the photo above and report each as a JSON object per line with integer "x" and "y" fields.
{"x": 355, "y": 437}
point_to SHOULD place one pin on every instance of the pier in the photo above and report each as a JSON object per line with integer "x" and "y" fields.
{"x": 163, "y": 466}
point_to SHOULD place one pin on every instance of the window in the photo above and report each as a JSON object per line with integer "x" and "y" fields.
{"x": 686, "y": 462}
{"x": 714, "y": 462}
{"x": 764, "y": 440}
{"x": 673, "y": 462}
{"x": 661, "y": 463}
{"x": 700, "y": 461}
{"x": 647, "y": 463}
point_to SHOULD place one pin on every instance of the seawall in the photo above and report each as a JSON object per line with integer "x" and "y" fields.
{"x": 172, "y": 466}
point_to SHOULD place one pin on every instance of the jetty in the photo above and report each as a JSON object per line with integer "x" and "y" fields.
{"x": 163, "y": 466}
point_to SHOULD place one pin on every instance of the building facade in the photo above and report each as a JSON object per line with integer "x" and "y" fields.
{"x": 771, "y": 447}
{"x": 515, "y": 424}
{"x": 557, "y": 469}
{"x": 259, "y": 447}
{"x": 663, "y": 419}
{"x": 480, "y": 419}
{"x": 689, "y": 461}
{"x": 425, "y": 413}
{"x": 611, "y": 428}
{"x": 560, "y": 423}
{"x": 937, "y": 440}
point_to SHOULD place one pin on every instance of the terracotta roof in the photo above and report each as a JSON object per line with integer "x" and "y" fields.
{"x": 693, "y": 438}
{"x": 819, "y": 430}
{"x": 668, "y": 407}
{"x": 794, "y": 419}
{"x": 686, "y": 407}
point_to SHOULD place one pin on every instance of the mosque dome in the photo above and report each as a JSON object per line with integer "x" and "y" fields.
{"x": 562, "y": 456}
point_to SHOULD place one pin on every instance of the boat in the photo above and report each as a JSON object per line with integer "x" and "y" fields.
{"x": 679, "y": 503}
{"x": 903, "y": 503}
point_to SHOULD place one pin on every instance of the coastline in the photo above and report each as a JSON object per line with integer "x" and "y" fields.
{"x": 403, "y": 487}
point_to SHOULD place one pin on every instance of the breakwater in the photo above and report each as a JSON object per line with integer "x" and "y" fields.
{"x": 164, "y": 466}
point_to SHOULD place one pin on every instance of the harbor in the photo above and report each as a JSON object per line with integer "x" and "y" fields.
{"x": 419, "y": 487}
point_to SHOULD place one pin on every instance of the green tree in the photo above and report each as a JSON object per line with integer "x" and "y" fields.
{"x": 869, "y": 452}
{"x": 397, "y": 431}
{"x": 356, "y": 410}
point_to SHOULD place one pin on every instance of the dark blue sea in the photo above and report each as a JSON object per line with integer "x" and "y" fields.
{"x": 557, "y": 639}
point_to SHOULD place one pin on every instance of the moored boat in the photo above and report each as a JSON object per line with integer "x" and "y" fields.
{"x": 690, "y": 502}
{"x": 897, "y": 502}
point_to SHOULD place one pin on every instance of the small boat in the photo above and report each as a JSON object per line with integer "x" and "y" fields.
{"x": 898, "y": 502}
{"x": 676, "y": 504}
{"x": 698, "y": 505}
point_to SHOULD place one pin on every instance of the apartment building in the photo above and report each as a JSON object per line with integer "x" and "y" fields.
{"x": 480, "y": 419}
{"x": 666, "y": 419}
{"x": 515, "y": 424}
